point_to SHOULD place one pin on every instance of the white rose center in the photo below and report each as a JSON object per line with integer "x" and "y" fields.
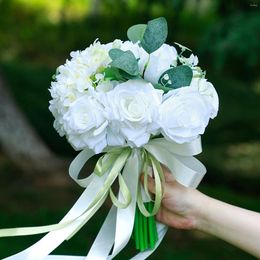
{"x": 82, "y": 119}
{"x": 133, "y": 107}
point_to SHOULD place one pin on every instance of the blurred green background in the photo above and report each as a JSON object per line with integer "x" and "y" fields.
{"x": 36, "y": 36}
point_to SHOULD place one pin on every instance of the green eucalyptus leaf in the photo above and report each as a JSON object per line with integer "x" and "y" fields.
{"x": 155, "y": 34}
{"x": 124, "y": 60}
{"x": 113, "y": 74}
{"x": 136, "y": 32}
{"x": 127, "y": 76}
{"x": 115, "y": 53}
{"x": 176, "y": 77}
{"x": 159, "y": 86}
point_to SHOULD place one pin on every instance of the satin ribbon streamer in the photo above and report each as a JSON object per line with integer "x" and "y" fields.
{"x": 118, "y": 225}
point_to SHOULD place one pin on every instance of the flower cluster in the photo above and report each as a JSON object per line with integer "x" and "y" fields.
{"x": 124, "y": 93}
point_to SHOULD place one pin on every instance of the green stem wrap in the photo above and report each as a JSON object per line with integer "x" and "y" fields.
{"x": 145, "y": 231}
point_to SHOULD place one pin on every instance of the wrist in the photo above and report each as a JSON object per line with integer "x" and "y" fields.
{"x": 198, "y": 206}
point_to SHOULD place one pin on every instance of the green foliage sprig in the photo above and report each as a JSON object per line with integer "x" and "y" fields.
{"x": 176, "y": 77}
{"x": 150, "y": 37}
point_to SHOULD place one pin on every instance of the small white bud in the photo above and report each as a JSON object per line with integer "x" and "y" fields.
{"x": 166, "y": 77}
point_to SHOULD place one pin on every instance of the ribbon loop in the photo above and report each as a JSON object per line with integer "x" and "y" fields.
{"x": 186, "y": 149}
{"x": 146, "y": 174}
{"x": 76, "y": 166}
{"x": 125, "y": 193}
{"x": 113, "y": 173}
{"x": 104, "y": 163}
{"x": 159, "y": 183}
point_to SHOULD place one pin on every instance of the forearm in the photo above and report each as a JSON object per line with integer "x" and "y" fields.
{"x": 237, "y": 226}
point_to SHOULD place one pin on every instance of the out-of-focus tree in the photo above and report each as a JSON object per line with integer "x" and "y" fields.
{"x": 19, "y": 140}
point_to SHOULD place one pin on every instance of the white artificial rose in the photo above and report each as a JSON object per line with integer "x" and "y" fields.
{"x": 159, "y": 62}
{"x": 85, "y": 124}
{"x": 183, "y": 115}
{"x": 208, "y": 92}
{"x": 114, "y": 136}
{"x": 132, "y": 106}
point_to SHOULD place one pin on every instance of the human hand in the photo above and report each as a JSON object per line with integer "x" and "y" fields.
{"x": 187, "y": 208}
{"x": 179, "y": 206}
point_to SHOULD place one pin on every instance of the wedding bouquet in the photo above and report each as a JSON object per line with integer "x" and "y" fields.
{"x": 139, "y": 104}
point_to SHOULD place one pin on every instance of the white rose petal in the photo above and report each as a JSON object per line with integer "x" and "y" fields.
{"x": 133, "y": 106}
{"x": 159, "y": 62}
{"x": 85, "y": 124}
{"x": 183, "y": 115}
{"x": 208, "y": 92}
{"x": 105, "y": 86}
{"x": 114, "y": 136}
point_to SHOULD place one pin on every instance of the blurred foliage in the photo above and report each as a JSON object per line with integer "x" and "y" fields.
{"x": 234, "y": 45}
{"x": 46, "y": 31}
{"x": 37, "y": 35}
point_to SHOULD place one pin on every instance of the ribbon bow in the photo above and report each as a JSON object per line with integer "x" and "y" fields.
{"x": 126, "y": 164}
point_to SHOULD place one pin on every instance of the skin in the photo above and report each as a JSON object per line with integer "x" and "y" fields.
{"x": 187, "y": 208}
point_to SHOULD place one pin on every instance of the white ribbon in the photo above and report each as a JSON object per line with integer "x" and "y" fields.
{"x": 118, "y": 226}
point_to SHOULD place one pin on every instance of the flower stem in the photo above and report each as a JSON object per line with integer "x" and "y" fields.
{"x": 142, "y": 247}
{"x": 145, "y": 231}
{"x": 151, "y": 227}
{"x": 136, "y": 231}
